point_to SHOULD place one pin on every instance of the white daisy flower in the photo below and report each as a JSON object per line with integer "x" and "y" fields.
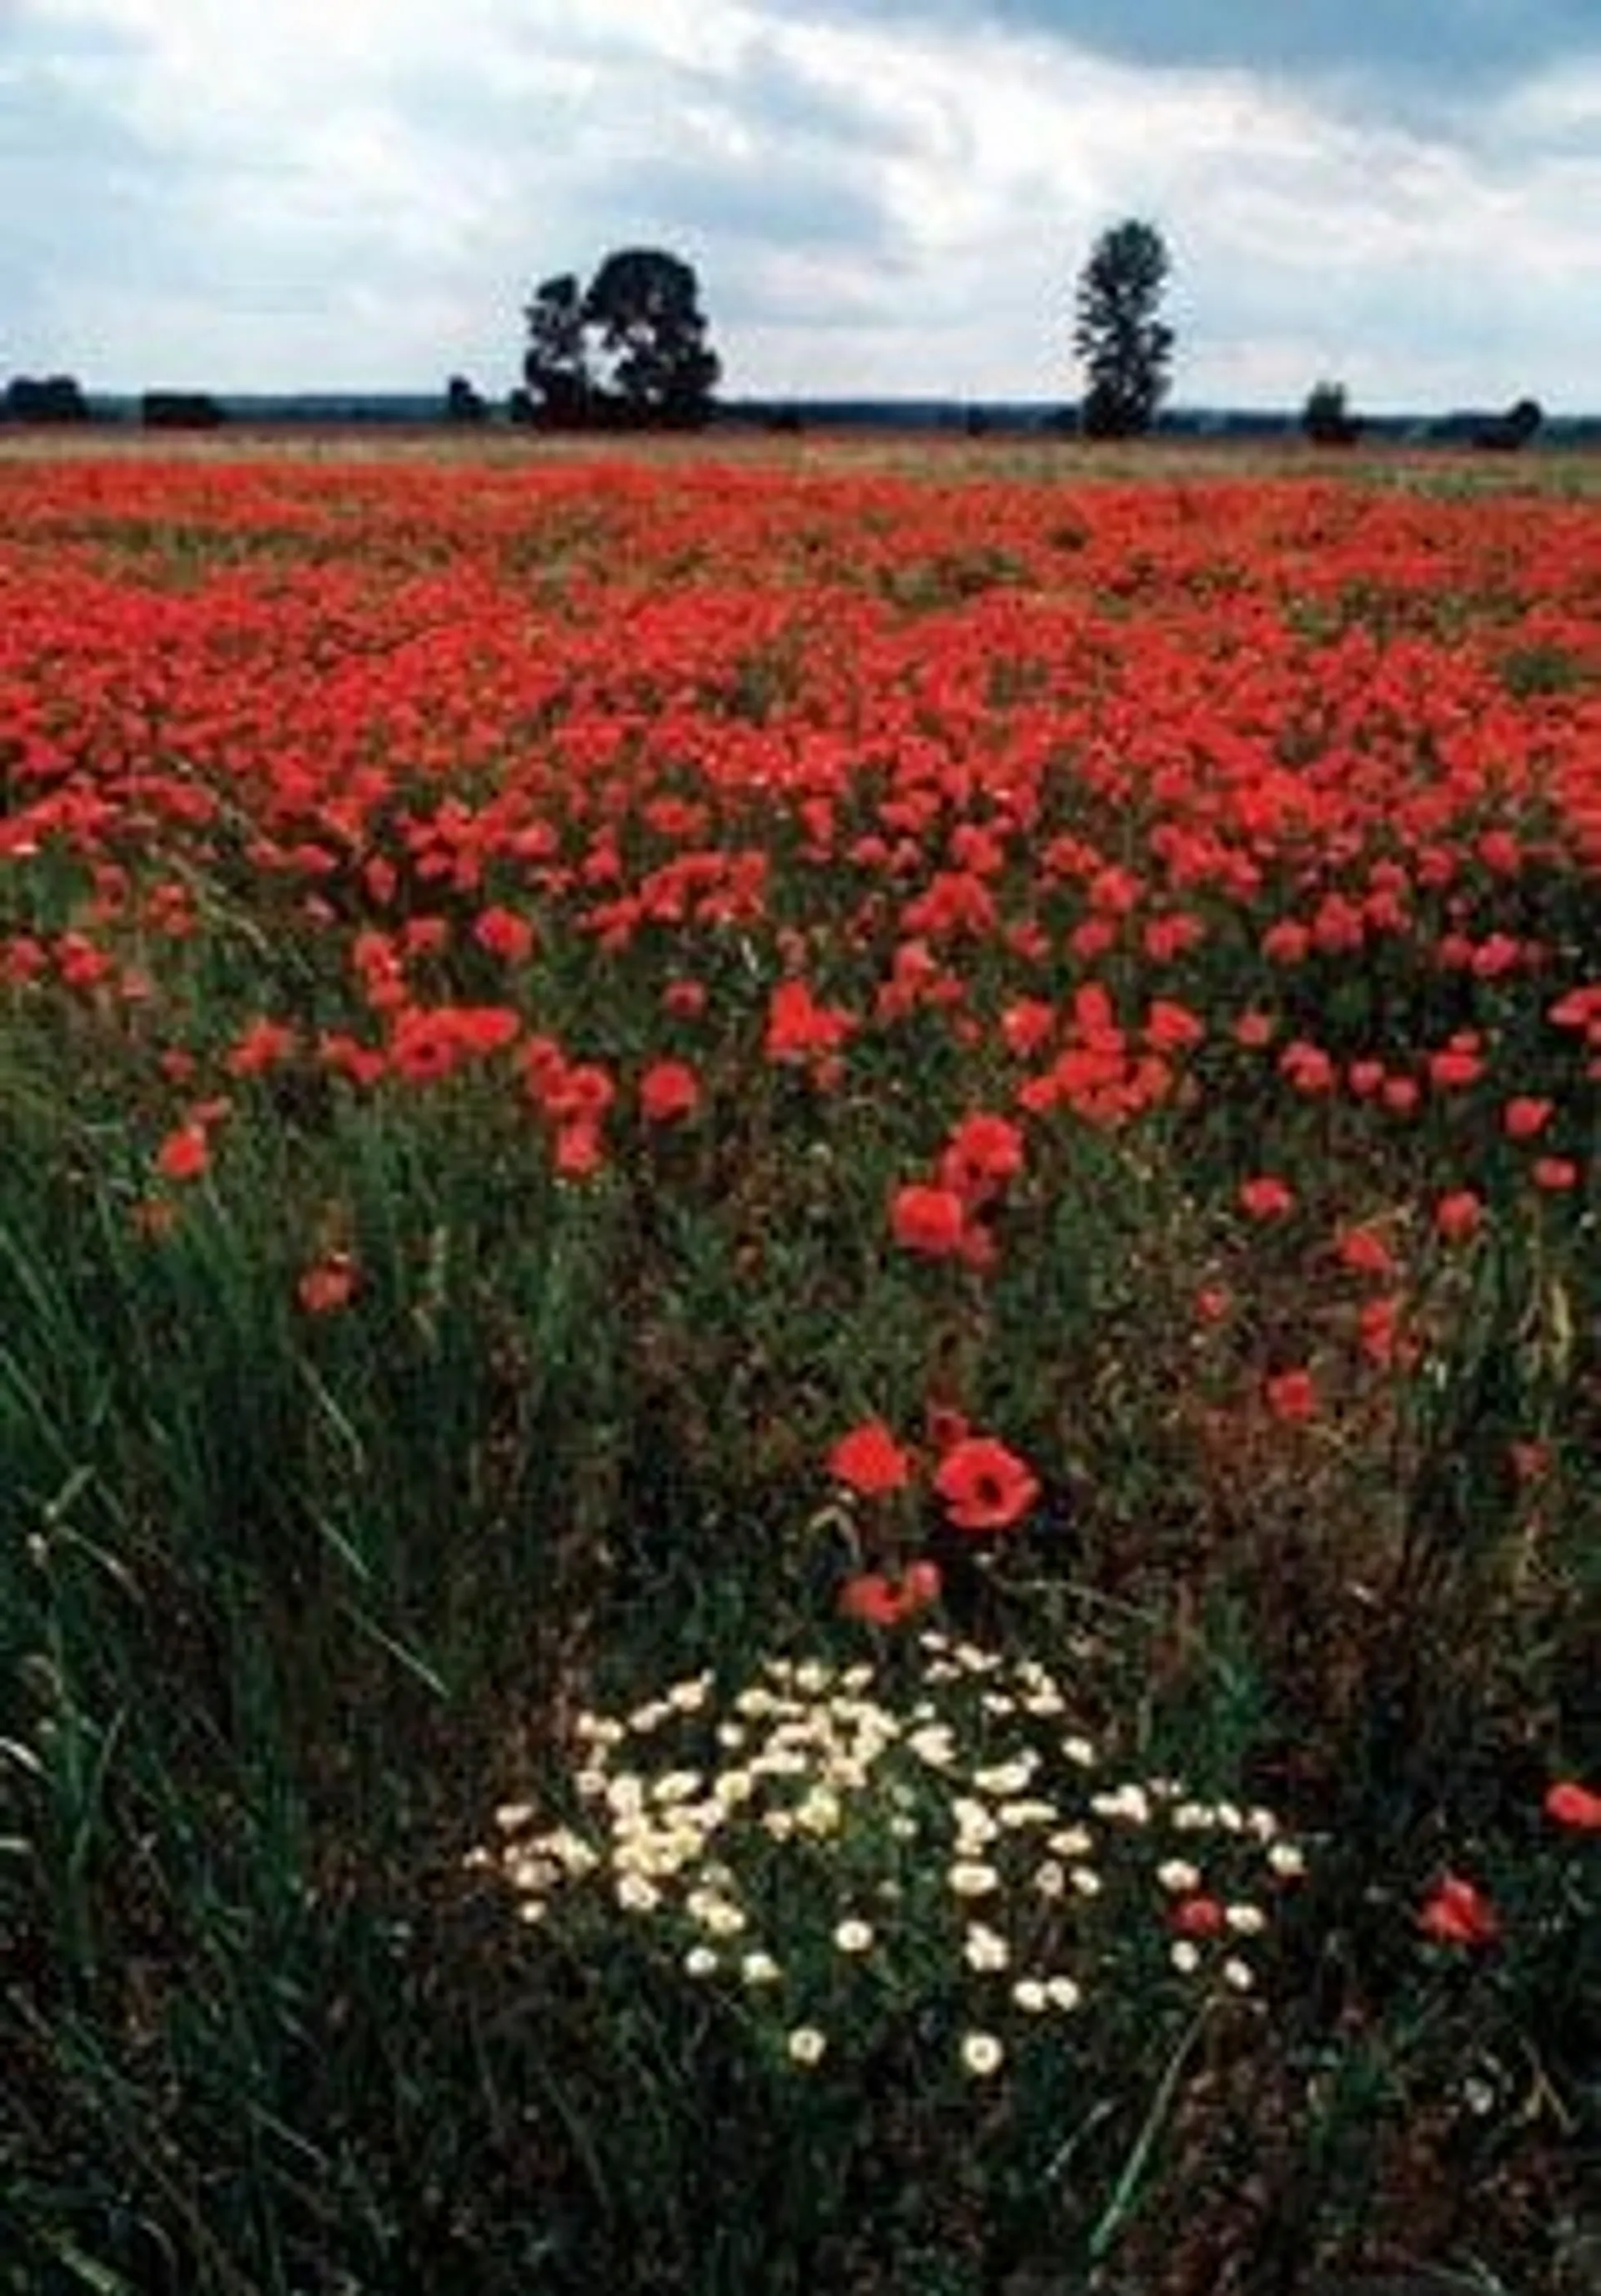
{"x": 982, "y": 2054}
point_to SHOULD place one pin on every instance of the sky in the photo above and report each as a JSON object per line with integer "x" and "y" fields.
{"x": 879, "y": 197}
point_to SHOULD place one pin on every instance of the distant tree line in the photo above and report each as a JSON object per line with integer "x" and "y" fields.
{"x": 58, "y": 399}
{"x": 1327, "y": 420}
{"x": 179, "y": 410}
{"x": 630, "y": 350}
{"x": 44, "y": 398}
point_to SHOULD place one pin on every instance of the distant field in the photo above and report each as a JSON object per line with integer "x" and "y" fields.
{"x": 1576, "y": 470}
{"x": 800, "y": 1368}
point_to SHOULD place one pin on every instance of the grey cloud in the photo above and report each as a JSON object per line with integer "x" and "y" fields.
{"x": 792, "y": 101}
{"x": 30, "y": 38}
{"x": 753, "y": 195}
{"x": 1440, "y": 52}
{"x": 83, "y": 192}
{"x": 773, "y": 169}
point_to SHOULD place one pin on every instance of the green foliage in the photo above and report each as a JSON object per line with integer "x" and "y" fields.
{"x": 1125, "y": 349}
{"x": 293, "y": 1592}
{"x": 1327, "y": 418}
{"x": 630, "y": 349}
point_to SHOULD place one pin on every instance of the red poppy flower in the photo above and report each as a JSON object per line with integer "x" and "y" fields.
{"x": 1308, "y": 1068}
{"x": 1458, "y": 1913}
{"x": 328, "y": 1285}
{"x": 578, "y": 1151}
{"x": 1499, "y": 850}
{"x": 978, "y": 1250}
{"x": 425, "y": 1047}
{"x": 870, "y": 1461}
{"x": 1199, "y": 1917}
{"x": 1025, "y": 1027}
{"x": 363, "y": 1064}
{"x": 1171, "y": 1027}
{"x": 1166, "y": 938}
{"x": 878, "y": 1600}
{"x": 579, "y": 1095}
{"x": 1459, "y": 1214}
{"x": 1364, "y": 1253}
{"x": 1379, "y": 1332}
{"x": 799, "y": 1028}
{"x": 261, "y": 1046}
{"x": 1555, "y": 1173}
{"x": 929, "y": 1220}
{"x": 1092, "y": 937}
{"x": 184, "y": 1154}
{"x": 1267, "y": 1198}
{"x": 982, "y": 1155}
{"x": 1499, "y": 954}
{"x": 1286, "y": 942}
{"x": 1525, "y": 1117}
{"x": 1576, "y": 1010}
{"x": 1291, "y": 1395}
{"x": 985, "y": 1486}
{"x": 1572, "y": 1804}
{"x": 1455, "y": 1066}
{"x": 504, "y": 934}
{"x": 668, "y": 1089}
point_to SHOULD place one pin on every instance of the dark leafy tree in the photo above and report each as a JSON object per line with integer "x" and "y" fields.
{"x": 645, "y": 307}
{"x": 1505, "y": 433}
{"x": 1124, "y": 346}
{"x": 48, "y": 398}
{"x": 462, "y": 403}
{"x": 629, "y": 351}
{"x": 556, "y": 365}
{"x": 179, "y": 410}
{"x": 1327, "y": 418}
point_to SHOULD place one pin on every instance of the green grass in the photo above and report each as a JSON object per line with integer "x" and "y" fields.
{"x": 290, "y": 1600}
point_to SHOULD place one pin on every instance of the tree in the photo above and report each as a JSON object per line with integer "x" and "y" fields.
{"x": 555, "y": 365}
{"x": 179, "y": 410}
{"x": 1124, "y": 346}
{"x": 1505, "y": 433}
{"x": 48, "y": 398}
{"x": 645, "y": 305}
{"x": 628, "y": 351}
{"x": 1327, "y": 418}
{"x": 463, "y": 403}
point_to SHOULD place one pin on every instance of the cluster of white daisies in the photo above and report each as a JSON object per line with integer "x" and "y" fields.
{"x": 817, "y": 1832}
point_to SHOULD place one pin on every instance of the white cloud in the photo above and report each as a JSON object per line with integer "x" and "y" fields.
{"x": 359, "y": 193}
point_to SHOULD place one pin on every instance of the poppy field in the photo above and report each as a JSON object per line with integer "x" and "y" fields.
{"x": 799, "y": 1385}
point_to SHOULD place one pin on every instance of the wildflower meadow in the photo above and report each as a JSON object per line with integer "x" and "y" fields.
{"x": 799, "y": 1395}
